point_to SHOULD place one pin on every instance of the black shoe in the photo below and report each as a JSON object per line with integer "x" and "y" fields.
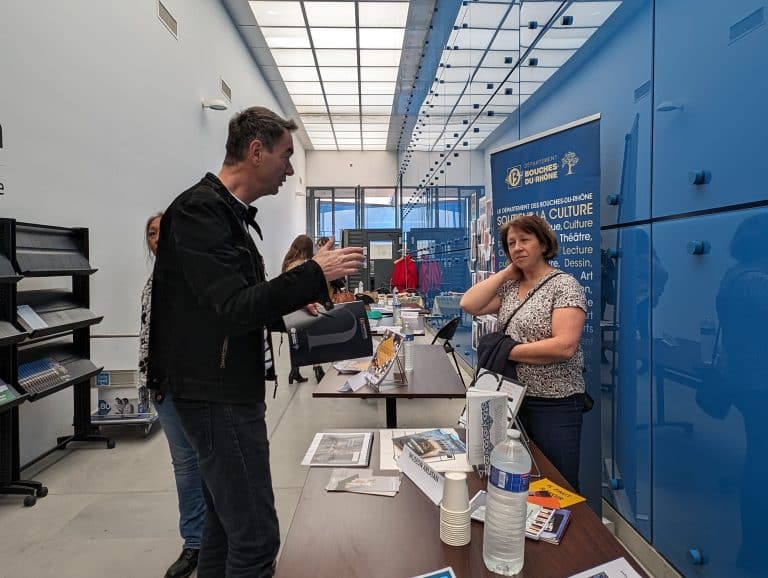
{"x": 185, "y": 565}
{"x": 319, "y": 373}
{"x": 296, "y": 376}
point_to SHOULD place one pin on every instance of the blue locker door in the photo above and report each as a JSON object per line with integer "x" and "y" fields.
{"x": 710, "y": 394}
{"x": 627, "y": 265}
{"x": 710, "y": 116}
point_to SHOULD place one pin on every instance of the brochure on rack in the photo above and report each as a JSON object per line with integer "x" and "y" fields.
{"x": 379, "y": 366}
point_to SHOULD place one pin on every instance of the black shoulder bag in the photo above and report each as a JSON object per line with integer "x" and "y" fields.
{"x": 493, "y": 348}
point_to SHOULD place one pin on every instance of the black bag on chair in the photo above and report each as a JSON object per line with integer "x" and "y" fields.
{"x": 493, "y": 348}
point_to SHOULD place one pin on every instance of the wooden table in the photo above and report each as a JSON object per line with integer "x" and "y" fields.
{"x": 433, "y": 376}
{"x": 339, "y": 535}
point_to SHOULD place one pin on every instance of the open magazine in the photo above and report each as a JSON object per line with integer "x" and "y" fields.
{"x": 339, "y": 450}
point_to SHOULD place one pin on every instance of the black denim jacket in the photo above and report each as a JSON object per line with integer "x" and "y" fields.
{"x": 211, "y": 300}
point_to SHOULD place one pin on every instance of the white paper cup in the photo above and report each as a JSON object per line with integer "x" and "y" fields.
{"x": 455, "y": 536}
{"x": 455, "y": 492}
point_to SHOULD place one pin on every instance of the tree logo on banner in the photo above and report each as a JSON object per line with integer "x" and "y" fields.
{"x": 514, "y": 177}
{"x": 570, "y": 160}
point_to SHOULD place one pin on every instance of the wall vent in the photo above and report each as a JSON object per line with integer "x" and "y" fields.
{"x": 642, "y": 91}
{"x": 167, "y": 18}
{"x": 226, "y": 91}
{"x": 746, "y": 25}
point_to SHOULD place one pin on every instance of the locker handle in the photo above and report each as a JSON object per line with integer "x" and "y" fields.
{"x": 696, "y": 557}
{"x": 701, "y": 177}
{"x": 696, "y": 247}
{"x": 669, "y": 106}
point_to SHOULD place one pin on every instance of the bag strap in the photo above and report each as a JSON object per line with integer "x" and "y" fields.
{"x": 527, "y": 297}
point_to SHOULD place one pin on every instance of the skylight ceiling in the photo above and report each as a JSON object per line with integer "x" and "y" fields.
{"x": 339, "y": 62}
{"x": 498, "y": 55}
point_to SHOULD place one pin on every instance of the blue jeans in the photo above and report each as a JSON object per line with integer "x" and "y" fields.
{"x": 189, "y": 484}
{"x": 554, "y": 425}
{"x": 241, "y": 537}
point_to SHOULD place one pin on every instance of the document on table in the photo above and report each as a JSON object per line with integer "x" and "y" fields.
{"x": 618, "y": 568}
{"x": 389, "y": 453}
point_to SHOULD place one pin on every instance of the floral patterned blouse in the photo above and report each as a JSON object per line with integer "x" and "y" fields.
{"x": 533, "y": 322}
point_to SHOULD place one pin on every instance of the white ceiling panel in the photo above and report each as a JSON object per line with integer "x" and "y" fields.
{"x": 462, "y": 57}
{"x": 378, "y": 73}
{"x": 299, "y": 73}
{"x": 338, "y": 14}
{"x": 310, "y": 109}
{"x": 339, "y": 74}
{"x": 338, "y": 57}
{"x": 286, "y": 37}
{"x": 455, "y": 73}
{"x": 315, "y": 99}
{"x": 551, "y": 57}
{"x": 498, "y": 58}
{"x": 380, "y": 57}
{"x": 539, "y": 12}
{"x": 304, "y": 87}
{"x": 334, "y": 37}
{"x": 494, "y": 75}
{"x": 506, "y": 40}
{"x": 369, "y": 88}
{"x": 340, "y": 87}
{"x": 382, "y": 38}
{"x": 342, "y": 99}
{"x": 277, "y": 13}
{"x": 383, "y": 14}
{"x": 293, "y": 57}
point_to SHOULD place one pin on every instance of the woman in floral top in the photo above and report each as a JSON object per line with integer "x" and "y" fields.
{"x": 189, "y": 485}
{"x": 547, "y": 332}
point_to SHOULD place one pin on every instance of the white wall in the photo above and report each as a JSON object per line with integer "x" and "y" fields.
{"x": 351, "y": 168}
{"x": 102, "y": 125}
{"x": 466, "y": 169}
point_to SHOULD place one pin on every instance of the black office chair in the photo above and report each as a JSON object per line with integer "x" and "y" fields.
{"x": 366, "y": 299}
{"x": 447, "y": 332}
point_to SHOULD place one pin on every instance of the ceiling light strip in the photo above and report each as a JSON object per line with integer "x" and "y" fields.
{"x": 317, "y": 68}
{"x": 564, "y": 5}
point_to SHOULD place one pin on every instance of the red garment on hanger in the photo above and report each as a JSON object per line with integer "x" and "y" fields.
{"x": 404, "y": 274}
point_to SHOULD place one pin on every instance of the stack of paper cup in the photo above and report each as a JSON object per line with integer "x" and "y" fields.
{"x": 455, "y": 529}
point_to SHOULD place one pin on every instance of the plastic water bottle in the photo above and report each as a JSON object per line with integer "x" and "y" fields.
{"x": 360, "y": 287}
{"x": 408, "y": 346}
{"x": 504, "y": 534}
{"x": 395, "y": 308}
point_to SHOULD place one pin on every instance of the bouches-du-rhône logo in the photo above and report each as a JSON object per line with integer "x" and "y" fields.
{"x": 514, "y": 177}
{"x": 570, "y": 160}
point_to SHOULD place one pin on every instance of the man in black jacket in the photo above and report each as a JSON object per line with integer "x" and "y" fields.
{"x": 212, "y": 309}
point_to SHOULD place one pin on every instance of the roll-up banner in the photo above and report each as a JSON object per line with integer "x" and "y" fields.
{"x": 556, "y": 175}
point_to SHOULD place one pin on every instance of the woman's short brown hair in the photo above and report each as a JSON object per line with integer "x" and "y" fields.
{"x": 533, "y": 225}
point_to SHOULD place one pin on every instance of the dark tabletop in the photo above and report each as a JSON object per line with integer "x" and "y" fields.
{"x": 433, "y": 376}
{"x": 345, "y": 535}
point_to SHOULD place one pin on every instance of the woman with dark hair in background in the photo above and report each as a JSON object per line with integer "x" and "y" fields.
{"x": 300, "y": 250}
{"x": 546, "y": 331}
{"x": 189, "y": 485}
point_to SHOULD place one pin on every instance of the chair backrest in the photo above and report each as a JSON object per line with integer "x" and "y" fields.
{"x": 448, "y": 330}
{"x": 367, "y": 299}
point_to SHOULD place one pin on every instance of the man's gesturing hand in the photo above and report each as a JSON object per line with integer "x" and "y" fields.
{"x": 339, "y": 263}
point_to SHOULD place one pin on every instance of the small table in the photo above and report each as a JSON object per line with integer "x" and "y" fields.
{"x": 433, "y": 376}
{"x": 337, "y": 534}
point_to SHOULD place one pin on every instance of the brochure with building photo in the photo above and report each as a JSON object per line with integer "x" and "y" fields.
{"x": 339, "y": 450}
{"x": 618, "y": 568}
{"x": 432, "y": 443}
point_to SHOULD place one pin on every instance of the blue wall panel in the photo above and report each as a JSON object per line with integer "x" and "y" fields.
{"x": 710, "y": 87}
{"x": 628, "y": 264}
{"x": 710, "y": 393}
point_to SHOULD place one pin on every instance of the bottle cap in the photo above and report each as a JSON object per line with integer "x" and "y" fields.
{"x": 513, "y": 433}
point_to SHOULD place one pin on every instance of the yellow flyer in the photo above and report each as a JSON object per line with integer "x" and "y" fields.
{"x": 545, "y": 486}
